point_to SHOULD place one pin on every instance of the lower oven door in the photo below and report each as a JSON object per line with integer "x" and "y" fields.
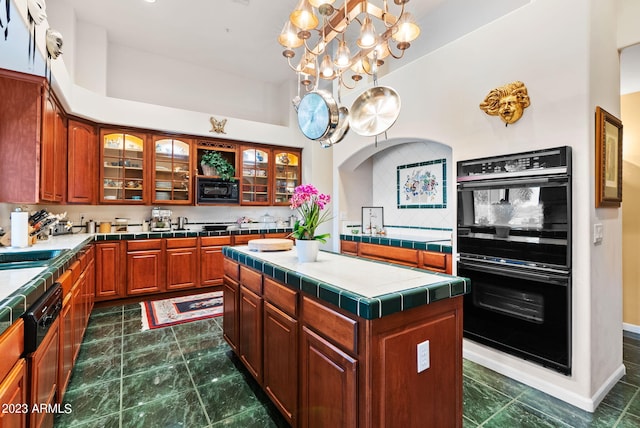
{"x": 520, "y": 311}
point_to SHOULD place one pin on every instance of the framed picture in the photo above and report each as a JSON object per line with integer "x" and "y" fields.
{"x": 608, "y": 159}
{"x": 372, "y": 220}
{"x": 422, "y": 185}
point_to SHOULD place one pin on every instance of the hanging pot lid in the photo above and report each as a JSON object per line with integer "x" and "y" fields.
{"x": 375, "y": 111}
{"x": 317, "y": 115}
{"x": 340, "y": 131}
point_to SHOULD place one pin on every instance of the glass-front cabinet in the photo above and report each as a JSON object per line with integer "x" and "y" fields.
{"x": 287, "y": 175}
{"x": 255, "y": 176}
{"x": 171, "y": 170}
{"x": 122, "y": 167}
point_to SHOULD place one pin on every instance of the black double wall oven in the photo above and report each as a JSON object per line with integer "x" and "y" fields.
{"x": 514, "y": 243}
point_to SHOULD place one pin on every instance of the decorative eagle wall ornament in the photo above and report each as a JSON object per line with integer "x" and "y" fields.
{"x": 217, "y": 126}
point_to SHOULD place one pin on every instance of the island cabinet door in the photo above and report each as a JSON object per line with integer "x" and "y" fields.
{"x": 250, "y": 338}
{"x": 281, "y": 360}
{"x": 230, "y": 292}
{"x": 328, "y": 387}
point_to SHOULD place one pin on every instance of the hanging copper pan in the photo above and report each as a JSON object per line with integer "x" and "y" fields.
{"x": 374, "y": 111}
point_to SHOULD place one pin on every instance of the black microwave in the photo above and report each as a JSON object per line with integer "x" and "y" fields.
{"x": 214, "y": 190}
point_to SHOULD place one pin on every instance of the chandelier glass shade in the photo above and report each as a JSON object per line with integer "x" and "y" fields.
{"x": 322, "y": 30}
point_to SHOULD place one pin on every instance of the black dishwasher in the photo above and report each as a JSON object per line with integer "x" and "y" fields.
{"x": 40, "y": 316}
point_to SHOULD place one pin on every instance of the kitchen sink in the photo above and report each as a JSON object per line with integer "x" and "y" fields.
{"x": 27, "y": 259}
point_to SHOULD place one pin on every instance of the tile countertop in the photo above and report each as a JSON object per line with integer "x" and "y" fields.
{"x": 20, "y": 288}
{"x": 366, "y": 288}
{"x": 417, "y": 243}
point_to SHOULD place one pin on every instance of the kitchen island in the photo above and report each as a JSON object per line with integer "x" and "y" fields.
{"x": 345, "y": 341}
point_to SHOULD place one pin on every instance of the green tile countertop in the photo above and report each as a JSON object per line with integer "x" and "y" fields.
{"x": 20, "y": 288}
{"x": 184, "y": 234}
{"x": 366, "y": 288}
{"x": 419, "y": 243}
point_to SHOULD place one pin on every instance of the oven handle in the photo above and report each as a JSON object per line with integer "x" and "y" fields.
{"x": 515, "y": 181}
{"x": 517, "y": 273}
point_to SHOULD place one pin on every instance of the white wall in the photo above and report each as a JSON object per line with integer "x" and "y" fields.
{"x": 440, "y": 95}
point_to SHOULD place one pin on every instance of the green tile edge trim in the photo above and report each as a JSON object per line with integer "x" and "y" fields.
{"x": 368, "y": 308}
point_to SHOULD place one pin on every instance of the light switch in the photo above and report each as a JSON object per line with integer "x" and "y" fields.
{"x": 423, "y": 356}
{"x": 597, "y": 233}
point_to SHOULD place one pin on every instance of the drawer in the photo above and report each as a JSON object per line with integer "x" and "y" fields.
{"x": 251, "y": 279}
{"x": 76, "y": 270}
{"x": 244, "y": 239}
{"x": 231, "y": 269}
{"x": 435, "y": 261}
{"x": 349, "y": 247}
{"x": 208, "y": 241}
{"x": 11, "y": 347}
{"x": 405, "y": 256}
{"x": 182, "y": 242}
{"x": 337, "y": 328}
{"x": 66, "y": 280}
{"x": 281, "y": 296}
{"x": 144, "y": 244}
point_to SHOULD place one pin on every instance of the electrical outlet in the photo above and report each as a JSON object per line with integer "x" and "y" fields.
{"x": 423, "y": 356}
{"x": 82, "y": 217}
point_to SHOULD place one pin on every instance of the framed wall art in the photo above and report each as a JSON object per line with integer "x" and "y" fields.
{"x": 608, "y": 159}
{"x": 422, "y": 185}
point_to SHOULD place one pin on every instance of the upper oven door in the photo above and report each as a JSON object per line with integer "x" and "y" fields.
{"x": 536, "y": 209}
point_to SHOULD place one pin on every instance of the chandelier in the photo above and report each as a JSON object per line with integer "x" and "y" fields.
{"x": 325, "y": 59}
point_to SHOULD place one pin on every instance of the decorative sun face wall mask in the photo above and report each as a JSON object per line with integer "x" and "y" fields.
{"x": 37, "y": 10}
{"x": 508, "y": 102}
{"x": 54, "y": 43}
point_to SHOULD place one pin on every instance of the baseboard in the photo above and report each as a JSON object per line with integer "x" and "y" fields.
{"x": 631, "y": 327}
{"x": 499, "y": 362}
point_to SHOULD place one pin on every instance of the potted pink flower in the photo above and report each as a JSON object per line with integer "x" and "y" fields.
{"x": 310, "y": 203}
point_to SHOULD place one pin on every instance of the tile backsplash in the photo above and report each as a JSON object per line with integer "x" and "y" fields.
{"x": 385, "y": 186}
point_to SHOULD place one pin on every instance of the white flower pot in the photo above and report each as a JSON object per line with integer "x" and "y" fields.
{"x": 307, "y": 250}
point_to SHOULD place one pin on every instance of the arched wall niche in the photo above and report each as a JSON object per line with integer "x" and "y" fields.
{"x": 370, "y": 177}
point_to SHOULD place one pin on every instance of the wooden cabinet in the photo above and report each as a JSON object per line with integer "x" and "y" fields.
{"x": 110, "y": 270}
{"x": 286, "y": 175}
{"x": 182, "y": 263}
{"x": 255, "y": 176}
{"x": 53, "y": 151}
{"x": 21, "y": 107}
{"x": 145, "y": 267}
{"x": 231, "y": 299}
{"x": 244, "y": 239}
{"x": 13, "y": 392}
{"x": 250, "y": 333}
{"x": 280, "y": 349}
{"x": 323, "y": 366}
{"x": 171, "y": 169}
{"x": 82, "y": 148}
{"x": 329, "y": 379}
{"x": 423, "y": 259}
{"x": 44, "y": 376}
{"x": 212, "y": 260}
{"x": 13, "y": 376}
{"x": 66, "y": 334}
{"x": 122, "y": 171}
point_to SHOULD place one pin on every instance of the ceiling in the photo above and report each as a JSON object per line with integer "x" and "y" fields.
{"x": 234, "y": 36}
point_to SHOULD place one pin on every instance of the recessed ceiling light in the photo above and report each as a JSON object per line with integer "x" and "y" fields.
{"x": 150, "y": 1}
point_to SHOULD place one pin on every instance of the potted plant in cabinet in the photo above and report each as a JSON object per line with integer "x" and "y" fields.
{"x": 213, "y": 163}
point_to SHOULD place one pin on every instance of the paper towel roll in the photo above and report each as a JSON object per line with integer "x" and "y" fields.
{"x": 19, "y": 229}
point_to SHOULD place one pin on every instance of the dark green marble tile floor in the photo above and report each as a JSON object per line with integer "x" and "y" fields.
{"x": 187, "y": 376}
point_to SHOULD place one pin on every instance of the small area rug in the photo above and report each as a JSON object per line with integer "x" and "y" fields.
{"x": 178, "y": 310}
